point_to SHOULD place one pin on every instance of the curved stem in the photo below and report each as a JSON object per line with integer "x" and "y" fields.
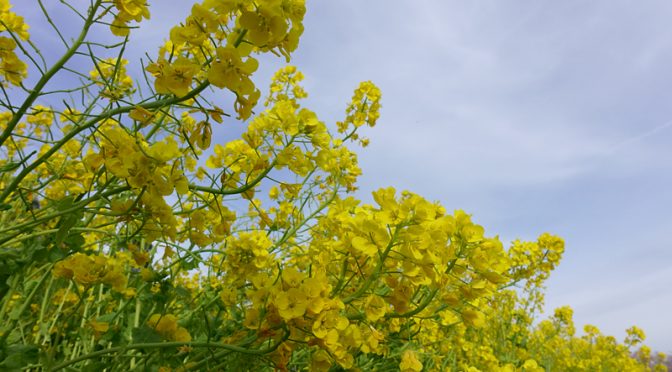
{"x": 165, "y": 345}
{"x": 37, "y": 90}
{"x": 376, "y": 272}
{"x": 237, "y": 190}
{"x": 72, "y": 209}
{"x": 90, "y": 124}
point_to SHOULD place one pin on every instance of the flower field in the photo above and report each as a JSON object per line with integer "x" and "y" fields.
{"x": 133, "y": 238}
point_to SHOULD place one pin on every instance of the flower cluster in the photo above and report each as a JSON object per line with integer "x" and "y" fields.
{"x": 166, "y": 325}
{"x": 215, "y": 44}
{"x": 111, "y": 75}
{"x": 12, "y": 69}
{"x": 91, "y": 270}
{"x": 127, "y": 12}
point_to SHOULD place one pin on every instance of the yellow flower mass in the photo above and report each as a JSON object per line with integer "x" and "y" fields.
{"x": 139, "y": 231}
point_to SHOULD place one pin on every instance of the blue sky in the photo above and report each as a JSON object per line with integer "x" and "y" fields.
{"x": 533, "y": 116}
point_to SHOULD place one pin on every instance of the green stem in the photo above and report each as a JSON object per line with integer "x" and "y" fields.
{"x": 166, "y": 345}
{"x": 238, "y": 190}
{"x": 296, "y": 228}
{"x": 14, "y": 316}
{"x": 26, "y": 303}
{"x": 37, "y": 90}
{"x": 418, "y": 309}
{"x": 43, "y": 308}
{"x": 91, "y": 123}
{"x": 8, "y": 295}
{"x": 72, "y": 209}
{"x": 58, "y": 312}
{"x": 376, "y": 273}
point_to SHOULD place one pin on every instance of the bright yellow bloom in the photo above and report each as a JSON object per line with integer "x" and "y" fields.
{"x": 263, "y": 26}
{"x": 164, "y": 151}
{"x": 473, "y": 318}
{"x": 375, "y": 308}
{"x": 128, "y": 10}
{"x": 196, "y": 28}
{"x": 229, "y": 71}
{"x": 12, "y": 69}
{"x": 410, "y": 362}
{"x": 13, "y": 22}
{"x": 90, "y": 270}
{"x": 174, "y": 78}
{"x": 364, "y": 246}
{"x": 291, "y": 304}
{"x": 166, "y": 325}
{"x": 99, "y": 328}
{"x": 142, "y": 115}
{"x": 292, "y": 277}
{"x": 532, "y": 366}
{"x": 320, "y": 361}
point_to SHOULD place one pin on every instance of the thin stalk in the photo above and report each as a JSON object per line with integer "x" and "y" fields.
{"x": 37, "y": 90}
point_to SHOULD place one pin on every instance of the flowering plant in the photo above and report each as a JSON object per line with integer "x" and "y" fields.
{"x": 131, "y": 238}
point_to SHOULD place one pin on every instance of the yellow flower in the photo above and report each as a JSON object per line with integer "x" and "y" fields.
{"x": 163, "y": 324}
{"x": 410, "y": 362}
{"x": 263, "y": 26}
{"x": 166, "y": 325}
{"x": 352, "y": 336}
{"x": 292, "y": 277}
{"x": 274, "y": 193}
{"x": 141, "y": 114}
{"x": 375, "y": 308}
{"x": 90, "y": 270}
{"x": 634, "y": 336}
{"x": 12, "y": 69}
{"x": 112, "y": 76}
{"x": 532, "y": 366}
{"x": 62, "y": 269}
{"x": 14, "y": 23}
{"x": 181, "y": 334}
{"x": 364, "y": 245}
{"x": 201, "y": 135}
{"x": 174, "y": 78}
{"x": 129, "y": 293}
{"x": 229, "y": 71}
{"x": 99, "y": 327}
{"x": 134, "y": 9}
{"x": 291, "y": 304}
{"x": 116, "y": 279}
{"x": 320, "y": 361}
{"x": 129, "y": 10}
{"x": 164, "y": 151}
{"x": 328, "y": 321}
{"x": 473, "y": 318}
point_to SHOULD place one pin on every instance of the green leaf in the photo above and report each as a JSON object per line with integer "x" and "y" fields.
{"x": 64, "y": 204}
{"x": 189, "y": 263}
{"x": 66, "y": 223}
{"x": 107, "y": 317}
{"x": 19, "y": 356}
{"x": 94, "y": 367}
{"x": 182, "y": 292}
{"x": 144, "y": 334}
{"x": 75, "y": 241}
{"x": 56, "y": 254}
{"x": 9, "y": 167}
